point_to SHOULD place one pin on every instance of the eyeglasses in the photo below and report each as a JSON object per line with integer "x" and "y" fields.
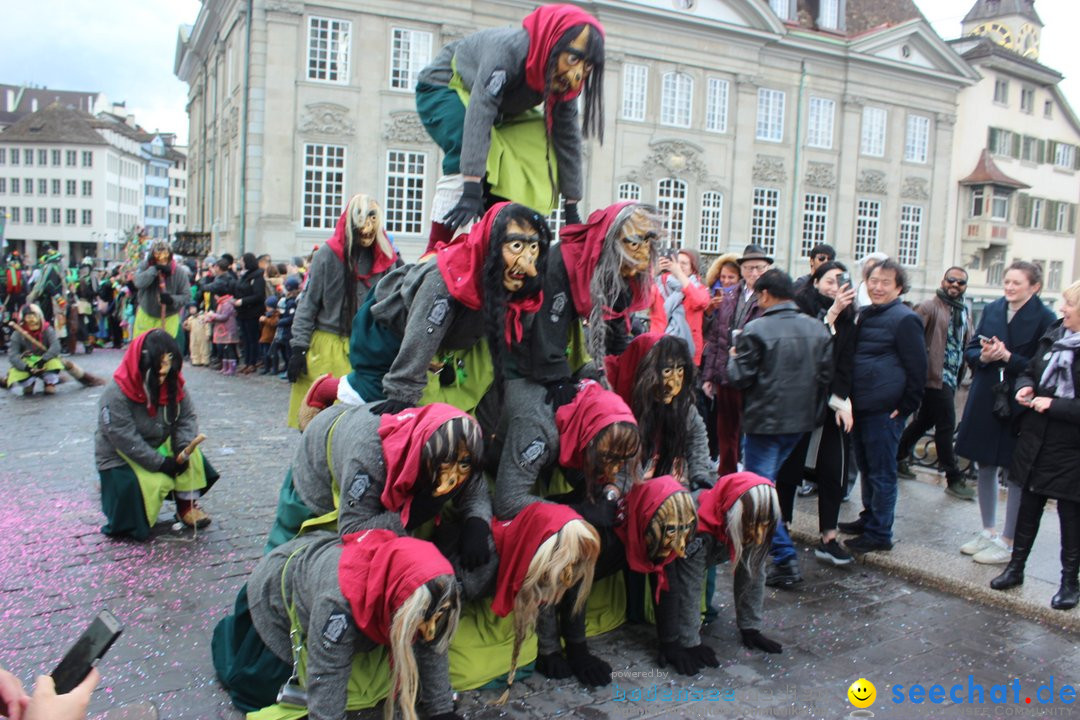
{"x": 955, "y": 281}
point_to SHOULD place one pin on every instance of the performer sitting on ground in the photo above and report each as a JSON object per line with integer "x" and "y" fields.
{"x": 736, "y": 520}
{"x": 476, "y": 100}
{"x": 327, "y": 600}
{"x": 164, "y": 289}
{"x": 29, "y": 363}
{"x": 342, "y": 272}
{"x": 145, "y": 422}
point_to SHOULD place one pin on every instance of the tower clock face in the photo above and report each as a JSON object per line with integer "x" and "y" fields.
{"x": 996, "y": 32}
{"x": 1027, "y": 41}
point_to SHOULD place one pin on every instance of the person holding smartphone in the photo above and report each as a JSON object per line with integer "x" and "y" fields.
{"x": 45, "y": 703}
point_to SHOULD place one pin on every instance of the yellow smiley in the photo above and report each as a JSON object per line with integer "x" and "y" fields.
{"x": 862, "y": 693}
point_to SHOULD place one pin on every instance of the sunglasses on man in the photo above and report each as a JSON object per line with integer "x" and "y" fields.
{"x": 956, "y": 281}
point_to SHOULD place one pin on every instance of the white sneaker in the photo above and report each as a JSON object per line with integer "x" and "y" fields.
{"x": 978, "y": 543}
{"x": 998, "y": 553}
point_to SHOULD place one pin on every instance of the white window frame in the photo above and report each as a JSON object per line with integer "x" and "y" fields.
{"x": 87, "y": 158}
{"x": 999, "y": 200}
{"x": 770, "y": 115}
{"x": 635, "y": 91}
{"x": 909, "y": 240}
{"x": 829, "y": 14}
{"x": 782, "y": 8}
{"x": 716, "y": 105}
{"x": 917, "y": 139}
{"x": 671, "y": 196}
{"x": 867, "y": 227}
{"x": 978, "y": 197}
{"x": 710, "y": 231}
{"x": 410, "y": 52}
{"x": 875, "y": 128}
{"x": 629, "y": 191}
{"x": 1027, "y": 100}
{"x": 336, "y": 45}
{"x": 405, "y": 190}
{"x": 676, "y": 99}
{"x": 323, "y": 188}
{"x": 765, "y": 218}
{"x": 1064, "y": 155}
{"x": 1054, "y": 275}
{"x": 1001, "y": 91}
{"x": 820, "y": 116}
{"x": 1036, "y": 213}
{"x": 1061, "y": 222}
{"x": 815, "y": 222}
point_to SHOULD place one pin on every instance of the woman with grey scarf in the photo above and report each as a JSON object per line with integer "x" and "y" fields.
{"x": 1046, "y": 462}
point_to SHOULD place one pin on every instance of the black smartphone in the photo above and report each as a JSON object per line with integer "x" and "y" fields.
{"x": 86, "y": 652}
{"x": 843, "y": 279}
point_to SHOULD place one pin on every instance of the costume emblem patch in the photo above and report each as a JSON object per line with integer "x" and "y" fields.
{"x": 693, "y": 546}
{"x": 533, "y": 452}
{"x": 496, "y": 82}
{"x": 360, "y": 484}
{"x": 438, "y": 312}
{"x": 557, "y": 306}
{"x": 335, "y": 627}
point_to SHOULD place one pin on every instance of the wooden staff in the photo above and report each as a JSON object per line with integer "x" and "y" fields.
{"x": 76, "y": 372}
{"x": 186, "y": 452}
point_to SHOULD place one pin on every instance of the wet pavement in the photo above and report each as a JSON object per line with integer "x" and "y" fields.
{"x": 913, "y": 616}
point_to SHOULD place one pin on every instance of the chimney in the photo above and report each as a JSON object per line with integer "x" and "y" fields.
{"x": 130, "y": 120}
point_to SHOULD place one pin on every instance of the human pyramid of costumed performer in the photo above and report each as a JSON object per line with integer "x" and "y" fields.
{"x": 491, "y": 468}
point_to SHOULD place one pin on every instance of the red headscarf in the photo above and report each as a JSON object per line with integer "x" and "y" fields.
{"x": 461, "y": 263}
{"x": 622, "y": 369}
{"x": 383, "y": 255}
{"x": 131, "y": 381}
{"x": 581, "y": 246}
{"x": 642, "y": 502}
{"x": 403, "y": 438}
{"x": 579, "y": 421}
{"x": 714, "y": 503}
{"x": 546, "y": 26}
{"x": 378, "y": 571}
{"x": 516, "y": 542}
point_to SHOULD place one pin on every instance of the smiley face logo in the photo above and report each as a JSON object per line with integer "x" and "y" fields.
{"x": 862, "y": 693}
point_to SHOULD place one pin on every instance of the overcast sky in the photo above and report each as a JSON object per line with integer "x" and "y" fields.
{"x": 126, "y": 48}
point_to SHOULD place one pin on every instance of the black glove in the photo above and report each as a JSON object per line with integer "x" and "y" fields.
{"x": 754, "y": 640}
{"x": 570, "y": 213}
{"x": 603, "y": 513}
{"x": 170, "y": 467}
{"x": 701, "y": 482}
{"x": 166, "y": 300}
{"x": 588, "y": 668}
{"x": 389, "y": 407}
{"x": 704, "y": 655}
{"x": 471, "y": 205}
{"x": 474, "y": 543}
{"x": 553, "y": 666}
{"x": 560, "y": 392}
{"x": 164, "y": 269}
{"x": 297, "y": 364}
{"x": 680, "y": 658}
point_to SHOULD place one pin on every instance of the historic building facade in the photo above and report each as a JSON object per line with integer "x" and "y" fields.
{"x": 746, "y": 120}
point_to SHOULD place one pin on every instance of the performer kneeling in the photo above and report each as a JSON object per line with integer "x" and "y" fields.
{"x": 337, "y": 598}
{"x": 145, "y": 420}
{"x": 29, "y": 363}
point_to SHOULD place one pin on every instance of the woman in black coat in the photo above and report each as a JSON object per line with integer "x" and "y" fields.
{"x": 1012, "y": 325}
{"x": 1046, "y": 462}
{"x": 250, "y": 302}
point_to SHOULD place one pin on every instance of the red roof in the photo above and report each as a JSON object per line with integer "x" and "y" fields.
{"x": 987, "y": 172}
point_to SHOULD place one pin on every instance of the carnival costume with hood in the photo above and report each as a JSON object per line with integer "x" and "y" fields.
{"x": 143, "y": 423}
{"x": 28, "y": 361}
{"x": 163, "y": 291}
{"x": 342, "y": 272}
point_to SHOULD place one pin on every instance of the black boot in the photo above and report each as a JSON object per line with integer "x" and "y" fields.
{"x": 1068, "y": 595}
{"x": 1027, "y": 527}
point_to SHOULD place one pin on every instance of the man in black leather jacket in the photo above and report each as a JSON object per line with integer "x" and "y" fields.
{"x": 782, "y": 362}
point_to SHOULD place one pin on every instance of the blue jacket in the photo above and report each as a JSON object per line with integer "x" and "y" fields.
{"x": 890, "y": 360}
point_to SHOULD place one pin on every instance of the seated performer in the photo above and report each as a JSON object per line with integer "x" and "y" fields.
{"x": 342, "y": 271}
{"x": 29, "y": 363}
{"x": 338, "y": 598}
{"x": 476, "y": 100}
{"x": 736, "y": 520}
{"x": 163, "y": 290}
{"x": 145, "y": 422}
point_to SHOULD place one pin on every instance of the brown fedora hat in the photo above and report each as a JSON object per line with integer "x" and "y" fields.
{"x": 754, "y": 252}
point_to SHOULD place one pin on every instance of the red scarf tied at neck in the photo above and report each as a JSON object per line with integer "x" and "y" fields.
{"x": 642, "y": 502}
{"x": 546, "y": 26}
{"x": 381, "y": 250}
{"x": 622, "y": 369}
{"x": 579, "y": 421}
{"x": 714, "y": 503}
{"x": 132, "y": 383}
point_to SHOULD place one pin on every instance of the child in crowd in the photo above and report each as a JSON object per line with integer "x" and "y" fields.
{"x": 286, "y": 310}
{"x": 199, "y": 333}
{"x": 226, "y": 335}
{"x": 267, "y": 331}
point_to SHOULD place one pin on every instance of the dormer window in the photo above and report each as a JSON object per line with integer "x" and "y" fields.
{"x": 782, "y": 8}
{"x": 829, "y": 15}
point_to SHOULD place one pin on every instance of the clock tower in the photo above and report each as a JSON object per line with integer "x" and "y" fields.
{"x": 1012, "y": 24}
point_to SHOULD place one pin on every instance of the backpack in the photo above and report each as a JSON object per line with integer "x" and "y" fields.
{"x": 14, "y": 280}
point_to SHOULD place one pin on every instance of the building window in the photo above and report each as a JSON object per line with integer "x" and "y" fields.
{"x": 405, "y": 173}
{"x": 999, "y": 206}
{"x": 3, "y": 186}
{"x": 410, "y": 53}
{"x": 676, "y": 99}
{"x": 43, "y": 157}
{"x": 815, "y": 226}
{"x": 867, "y": 228}
{"x": 716, "y": 105}
{"x": 70, "y": 158}
{"x": 42, "y": 216}
{"x": 1061, "y": 223}
{"x": 328, "y": 50}
{"x": 770, "y": 115}
{"x": 1053, "y": 276}
{"x": 907, "y": 251}
{"x": 42, "y": 186}
{"x": 15, "y": 215}
{"x": 14, "y": 186}
{"x": 873, "y": 131}
{"x": 1004, "y": 142}
{"x": 829, "y": 14}
{"x": 819, "y": 123}
{"x": 55, "y": 216}
{"x": 712, "y": 215}
{"x": 14, "y": 159}
{"x": 28, "y": 186}
{"x": 69, "y": 216}
{"x": 324, "y": 184}
{"x": 635, "y": 91}
{"x": 87, "y": 217}
{"x": 56, "y": 158}
{"x": 629, "y": 191}
{"x": 1064, "y": 155}
{"x": 69, "y": 186}
{"x": 28, "y": 157}
{"x": 87, "y": 188}
{"x": 764, "y": 218}
{"x": 1048, "y": 110}
{"x": 917, "y": 142}
{"x": 1036, "y": 213}
{"x": 56, "y": 186}
{"x": 3, "y": 156}
{"x": 28, "y": 216}
{"x": 671, "y": 200}
{"x": 780, "y": 7}
{"x": 1027, "y": 100}
{"x": 1030, "y": 150}
{"x": 1001, "y": 92}
{"x": 88, "y": 158}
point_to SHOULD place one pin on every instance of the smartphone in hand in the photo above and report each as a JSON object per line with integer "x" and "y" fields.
{"x": 86, "y": 652}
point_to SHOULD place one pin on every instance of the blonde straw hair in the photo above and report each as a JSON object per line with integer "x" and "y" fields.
{"x": 404, "y": 675}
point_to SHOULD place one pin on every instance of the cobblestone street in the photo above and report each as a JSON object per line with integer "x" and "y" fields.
{"x": 57, "y": 571}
